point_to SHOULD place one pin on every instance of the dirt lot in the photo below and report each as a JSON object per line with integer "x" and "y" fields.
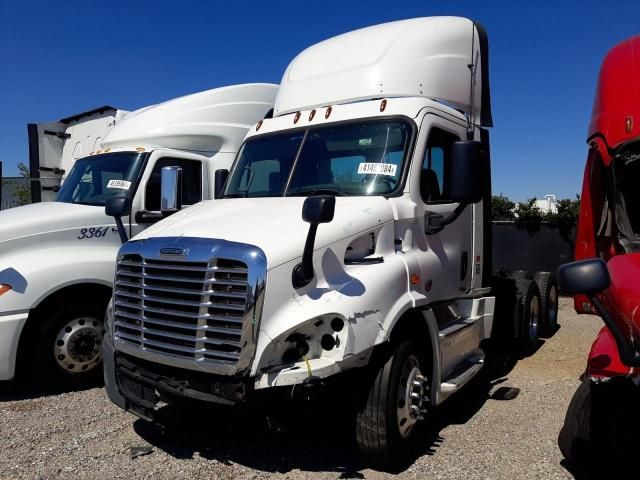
{"x": 479, "y": 435}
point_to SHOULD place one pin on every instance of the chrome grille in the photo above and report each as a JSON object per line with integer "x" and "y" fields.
{"x": 193, "y": 310}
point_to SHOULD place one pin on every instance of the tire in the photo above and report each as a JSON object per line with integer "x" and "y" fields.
{"x": 528, "y": 315}
{"x": 384, "y": 432}
{"x": 548, "y": 286}
{"x": 68, "y": 347}
{"x": 602, "y": 422}
{"x": 574, "y": 436}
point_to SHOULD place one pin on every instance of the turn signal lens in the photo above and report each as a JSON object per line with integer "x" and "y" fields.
{"x": 4, "y": 288}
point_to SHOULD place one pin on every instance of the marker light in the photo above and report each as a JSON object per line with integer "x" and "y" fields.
{"x": 383, "y": 105}
{"x": 328, "y": 112}
{"x": 140, "y": 149}
{"x": 312, "y": 114}
{"x": 296, "y": 118}
{"x": 415, "y": 279}
{"x": 258, "y": 125}
{"x": 628, "y": 124}
{"x": 4, "y": 288}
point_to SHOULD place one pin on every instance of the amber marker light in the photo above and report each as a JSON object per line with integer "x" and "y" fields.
{"x": 383, "y": 105}
{"x": 296, "y": 118}
{"x": 415, "y": 279}
{"x": 312, "y": 114}
{"x": 140, "y": 149}
{"x": 258, "y": 125}
{"x": 4, "y": 288}
{"x": 628, "y": 124}
{"x": 328, "y": 112}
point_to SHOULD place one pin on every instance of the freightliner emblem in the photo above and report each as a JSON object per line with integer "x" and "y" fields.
{"x": 172, "y": 251}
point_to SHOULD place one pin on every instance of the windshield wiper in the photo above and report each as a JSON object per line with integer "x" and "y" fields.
{"x": 317, "y": 191}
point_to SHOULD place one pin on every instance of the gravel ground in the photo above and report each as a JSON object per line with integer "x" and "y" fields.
{"x": 479, "y": 435}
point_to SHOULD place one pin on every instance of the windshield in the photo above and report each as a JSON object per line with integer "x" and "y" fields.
{"x": 363, "y": 158}
{"x": 95, "y": 179}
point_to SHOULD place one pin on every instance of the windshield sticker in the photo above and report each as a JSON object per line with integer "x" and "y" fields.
{"x": 377, "y": 169}
{"x": 120, "y": 184}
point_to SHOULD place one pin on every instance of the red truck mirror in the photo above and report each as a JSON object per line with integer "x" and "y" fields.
{"x": 586, "y": 277}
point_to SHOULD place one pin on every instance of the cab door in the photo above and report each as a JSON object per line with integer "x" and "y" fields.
{"x": 445, "y": 256}
{"x": 146, "y": 203}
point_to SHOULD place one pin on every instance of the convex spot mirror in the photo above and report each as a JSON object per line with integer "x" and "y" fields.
{"x": 117, "y": 207}
{"x": 170, "y": 190}
{"x": 469, "y": 168}
{"x": 319, "y": 209}
{"x": 586, "y": 277}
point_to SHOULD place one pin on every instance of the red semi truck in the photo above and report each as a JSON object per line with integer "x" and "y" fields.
{"x": 602, "y": 418}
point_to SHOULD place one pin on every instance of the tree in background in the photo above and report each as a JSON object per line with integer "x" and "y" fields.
{"x": 22, "y": 190}
{"x": 502, "y": 209}
{"x": 568, "y": 211}
{"x": 528, "y": 212}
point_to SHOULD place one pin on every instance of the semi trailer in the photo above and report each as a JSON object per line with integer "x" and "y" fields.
{"x": 57, "y": 257}
{"x": 352, "y": 239}
{"x": 602, "y": 419}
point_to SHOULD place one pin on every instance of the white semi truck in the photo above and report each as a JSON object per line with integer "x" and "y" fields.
{"x": 57, "y": 257}
{"x": 352, "y": 238}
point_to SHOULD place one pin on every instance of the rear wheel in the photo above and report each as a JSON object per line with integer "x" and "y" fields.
{"x": 529, "y": 314}
{"x": 68, "y": 347}
{"x": 385, "y": 423}
{"x": 548, "y": 286}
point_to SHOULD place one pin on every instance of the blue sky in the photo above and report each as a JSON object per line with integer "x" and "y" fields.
{"x": 61, "y": 58}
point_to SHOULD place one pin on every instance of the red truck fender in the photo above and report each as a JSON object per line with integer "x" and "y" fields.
{"x": 604, "y": 361}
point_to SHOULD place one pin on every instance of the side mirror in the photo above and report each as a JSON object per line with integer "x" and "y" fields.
{"x": 589, "y": 277}
{"x": 319, "y": 209}
{"x": 219, "y": 180}
{"x": 170, "y": 190}
{"x": 468, "y": 171}
{"x": 316, "y": 210}
{"x": 118, "y": 207}
{"x": 586, "y": 277}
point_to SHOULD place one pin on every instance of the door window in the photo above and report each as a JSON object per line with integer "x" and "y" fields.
{"x": 434, "y": 178}
{"x": 191, "y": 182}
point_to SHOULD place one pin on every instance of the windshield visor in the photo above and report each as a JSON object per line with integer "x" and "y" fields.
{"x": 95, "y": 179}
{"x": 356, "y": 158}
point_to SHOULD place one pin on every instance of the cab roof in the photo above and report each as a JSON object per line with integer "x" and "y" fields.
{"x": 206, "y": 122}
{"x": 439, "y": 58}
{"x": 616, "y": 108}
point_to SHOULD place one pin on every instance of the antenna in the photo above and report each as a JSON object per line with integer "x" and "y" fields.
{"x": 471, "y": 67}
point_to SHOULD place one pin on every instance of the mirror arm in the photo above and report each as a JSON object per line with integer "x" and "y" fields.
{"x": 121, "y": 231}
{"x": 628, "y": 354}
{"x": 303, "y": 272}
{"x": 434, "y": 222}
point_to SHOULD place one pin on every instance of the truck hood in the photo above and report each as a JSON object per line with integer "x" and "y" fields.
{"x": 274, "y": 225}
{"x": 46, "y": 217}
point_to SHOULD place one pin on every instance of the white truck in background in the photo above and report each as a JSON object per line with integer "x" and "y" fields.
{"x": 379, "y": 140}
{"x": 57, "y": 257}
{"x": 55, "y": 146}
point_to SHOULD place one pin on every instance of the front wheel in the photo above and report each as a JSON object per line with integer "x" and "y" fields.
{"x": 385, "y": 424}
{"x": 68, "y": 347}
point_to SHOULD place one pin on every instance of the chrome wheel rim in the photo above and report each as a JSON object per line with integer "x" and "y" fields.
{"x": 78, "y": 345}
{"x": 534, "y": 313}
{"x": 410, "y": 396}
